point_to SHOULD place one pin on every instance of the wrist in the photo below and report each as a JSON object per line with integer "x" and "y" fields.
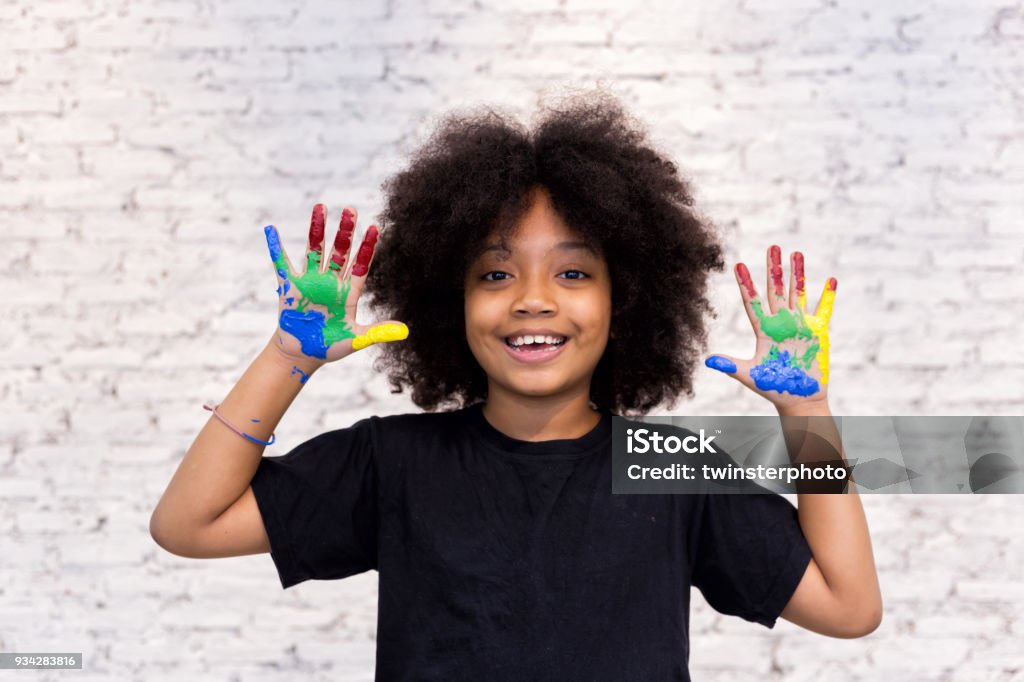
{"x": 290, "y": 363}
{"x": 806, "y": 408}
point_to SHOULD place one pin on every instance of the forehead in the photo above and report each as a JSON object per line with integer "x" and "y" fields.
{"x": 540, "y": 231}
{"x": 538, "y": 235}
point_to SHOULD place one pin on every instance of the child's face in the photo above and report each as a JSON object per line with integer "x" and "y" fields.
{"x": 546, "y": 284}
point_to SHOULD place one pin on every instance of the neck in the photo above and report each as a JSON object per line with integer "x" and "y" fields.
{"x": 541, "y": 418}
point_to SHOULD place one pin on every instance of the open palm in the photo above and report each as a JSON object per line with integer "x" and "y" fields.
{"x": 317, "y": 308}
{"x": 790, "y": 363}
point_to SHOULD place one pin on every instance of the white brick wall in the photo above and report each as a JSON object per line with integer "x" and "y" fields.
{"x": 144, "y": 145}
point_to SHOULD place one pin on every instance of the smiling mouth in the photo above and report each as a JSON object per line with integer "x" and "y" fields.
{"x": 533, "y": 344}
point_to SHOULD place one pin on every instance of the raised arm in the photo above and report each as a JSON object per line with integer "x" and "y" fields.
{"x": 208, "y": 509}
{"x": 839, "y": 594}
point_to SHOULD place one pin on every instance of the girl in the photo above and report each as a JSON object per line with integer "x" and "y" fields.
{"x": 544, "y": 282}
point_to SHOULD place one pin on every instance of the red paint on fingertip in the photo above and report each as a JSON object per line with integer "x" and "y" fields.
{"x": 798, "y": 270}
{"x": 347, "y": 217}
{"x": 316, "y": 228}
{"x": 362, "y": 264}
{"x": 832, "y": 283}
{"x": 776, "y": 270}
{"x": 343, "y": 241}
{"x": 745, "y": 280}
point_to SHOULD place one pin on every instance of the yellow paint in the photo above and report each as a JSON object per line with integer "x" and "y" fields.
{"x": 801, "y": 299}
{"x": 382, "y": 332}
{"x": 819, "y": 327}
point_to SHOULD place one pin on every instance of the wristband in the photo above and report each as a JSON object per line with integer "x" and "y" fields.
{"x": 230, "y": 426}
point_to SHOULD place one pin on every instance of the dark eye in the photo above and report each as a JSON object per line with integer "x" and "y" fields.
{"x": 575, "y": 274}
{"x": 499, "y": 275}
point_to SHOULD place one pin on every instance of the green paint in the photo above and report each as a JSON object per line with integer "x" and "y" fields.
{"x": 807, "y": 359}
{"x": 782, "y": 325}
{"x": 322, "y": 288}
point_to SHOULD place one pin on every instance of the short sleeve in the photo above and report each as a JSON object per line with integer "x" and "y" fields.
{"x": 751, "y": 554}
{"x": 319, "y": 506}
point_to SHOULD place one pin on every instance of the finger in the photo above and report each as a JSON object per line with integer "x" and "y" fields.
{"x": 315, "y": 247}
{"x": 776, "y": 292}
{"x": 361, "y": 264}
{"x": 819, "y": 327}
{"x": 749, "y": 294}
{"x": 343, "y": 241}
{"x": 736, "y": 368}
{"x": 283, "y": 265}
{"x": 797, "y": 283}
{"x": 381, "y": 333}
{"x": 824, "y": 310}
{"x": 723, "y": 363}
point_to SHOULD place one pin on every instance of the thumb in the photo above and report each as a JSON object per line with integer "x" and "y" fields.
{"x": 737, "y": 368}
{"x": 724, "y": 363}
{"x": 392, "y": 330}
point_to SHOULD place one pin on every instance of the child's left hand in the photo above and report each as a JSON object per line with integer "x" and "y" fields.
{"x": 790, "y": 365}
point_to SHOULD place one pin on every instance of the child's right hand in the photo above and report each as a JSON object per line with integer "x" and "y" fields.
{"x": 317, "y": 309}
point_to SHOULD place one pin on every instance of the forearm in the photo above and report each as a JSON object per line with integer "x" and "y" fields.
{"x": 220, "y": 464}
{"x": 834, "y": 524}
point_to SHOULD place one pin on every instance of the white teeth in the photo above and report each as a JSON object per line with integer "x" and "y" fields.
{"x": 530, "y": 339}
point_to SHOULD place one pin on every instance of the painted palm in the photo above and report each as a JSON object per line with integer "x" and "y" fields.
{"x": 317, "y": 309}
{"x": 791, "y": 360}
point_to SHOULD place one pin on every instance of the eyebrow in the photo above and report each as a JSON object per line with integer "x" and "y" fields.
{"x": 561, "y": 246}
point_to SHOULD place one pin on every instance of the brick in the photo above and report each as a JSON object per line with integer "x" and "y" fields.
{"x": 129, "y": 163}
{"x": 111, "y": 35}
{"x": 975, "y": 254}
{"x": 347, "y": 65}
{"x": 31, "y": 35}
{"x": 1005, "y": 219}
{"x": 106, "y": 357}
{"x": 221, "y": 101}
{"x": 925, "y": 352}
{"x": 42, "y": 132}
{"x": 574, "y": 33}
{"x": 125, "y": 106}
{"x": 26, "y": 102}
{"x": 245, "y": 9}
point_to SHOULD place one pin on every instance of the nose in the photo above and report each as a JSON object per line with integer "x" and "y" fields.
{"x": 535, "y": 296}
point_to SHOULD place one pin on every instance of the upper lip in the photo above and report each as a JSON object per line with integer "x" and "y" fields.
{"x": 534, "y": 332}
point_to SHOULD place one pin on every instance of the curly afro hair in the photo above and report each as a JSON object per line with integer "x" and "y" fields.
{"x": 475, "y": 177}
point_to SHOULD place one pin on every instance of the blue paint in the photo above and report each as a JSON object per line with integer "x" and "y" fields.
{"x": 282, "y": 273}
{"x": 255, "y": 420}
{"x": 304, "y": 375}
{"x": 290, "y": 300}
{"x": 721, "y": 364}
{"x": 273, "y": 243}
{"x": 308, "y": 328}
{"x": 778, "y": 372}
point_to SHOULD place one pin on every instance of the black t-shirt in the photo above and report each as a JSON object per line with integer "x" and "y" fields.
{"x": 502, "y": 559}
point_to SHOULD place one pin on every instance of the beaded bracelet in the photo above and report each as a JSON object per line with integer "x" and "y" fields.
{"x": 230, "y": 426}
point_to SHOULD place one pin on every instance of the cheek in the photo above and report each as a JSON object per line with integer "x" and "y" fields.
{"x": 597, "y": 311}
{"x": 479, "y": 316}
